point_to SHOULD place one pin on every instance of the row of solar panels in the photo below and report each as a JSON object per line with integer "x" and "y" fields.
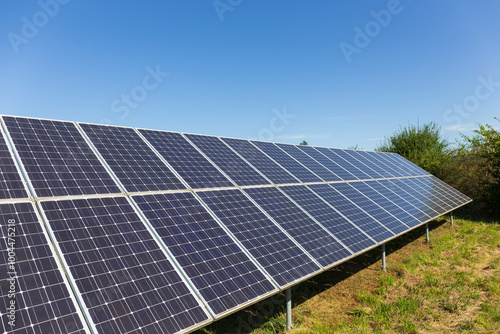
{"x": 174, "y": 260}
{"x": 60, "y": 162}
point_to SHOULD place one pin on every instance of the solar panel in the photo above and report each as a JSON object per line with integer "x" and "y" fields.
{"x": 260, "y": 161}
{"x": 343, "y": 229}
{"x": 425, "y": 186}
{"x": 403, "y": 199}
{"x": 370, "y": 207}
{"x": 191, "y": 165}
{"x": 11, "y": 184}
{"x": 345, "y": 161}
{"x": 331, "y": 165}
{"x": 382, "y": 160}
{"x": 283, "y": 260}
{"x": 424, "y": 204}
{"x": 404, "y": 164}
{"x": 356, "y": 160}
{"x": 136, "y": 165}
{"x": 125, "y": 280}
{"x": 286, "y": 161}
{"x": 460, "y": 199}
{"x": 351, "y": 211}
{"x": 394, "y": 209}
{"x": 236, "y": 168}
{"x": 369, "y": 161}
{"x": 225, "y": 277}
{"x": 57, "y": 159}
{"x": 309, "y": 234}
{"x": 309, "y": 162}
{"x": 34, "y": 295}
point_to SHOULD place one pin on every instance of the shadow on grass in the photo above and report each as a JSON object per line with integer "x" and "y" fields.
{"x": 265, "y": 313}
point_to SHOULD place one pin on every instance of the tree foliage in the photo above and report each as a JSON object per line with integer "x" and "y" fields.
{"x": 421, "y": 144}
{"x": 303, "y": 143}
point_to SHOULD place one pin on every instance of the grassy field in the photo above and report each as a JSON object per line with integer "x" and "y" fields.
{"x": 451, "y": 285}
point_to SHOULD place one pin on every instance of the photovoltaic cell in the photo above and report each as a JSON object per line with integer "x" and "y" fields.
{"x": 309, "y": 234}
{"x": 331, "y": 165}
{"x": 357, "y": 216}
{"x": 334, "y": 222}
{"x": 429, "y": 207}
{"x": 135, "y": 164}
{"x": 403, "y": 199}
{"x": 345, "y": 161}
{"x": 360, "y": 163}
{"x": 222, "y": 273}
{"x": 236, "y": 168}
{"x": 373, "y": 209}
{"x": 369, "y": 160}
{"x": 384, "y": 202}
{"x": 42, "y": 299}
{"x": 191, "y": 165}
{"x": 380, "y": 159}
{"x": 412, "y": 169}
{"x": 126, "y": 281}
{"x": 460, "y": 199}
{"x": 260, "y": 161}
{"x": 283, "y": 260}
{"x": 57, "y": 159}
{"x": 425, "y": 186}
{"x": 11, "y": 185}
{"x": 287, "y": 162}
{"x": 309, "y": 162}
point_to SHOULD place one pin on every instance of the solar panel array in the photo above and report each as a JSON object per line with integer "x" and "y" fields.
{"x": 121, "y": 230}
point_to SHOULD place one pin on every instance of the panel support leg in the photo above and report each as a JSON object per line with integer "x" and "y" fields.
{"x": 288, "y": 294}
{"x": 384, "y": 266}
{"x": 427, "y": 240}
{"x": 451, "y": 218}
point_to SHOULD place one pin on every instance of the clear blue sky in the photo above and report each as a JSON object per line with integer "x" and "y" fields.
{"x": 349, "y": 72}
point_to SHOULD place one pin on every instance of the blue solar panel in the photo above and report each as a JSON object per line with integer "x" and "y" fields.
{"x": 136, "y": 165}
{"x": 384, "y": 202}
{"x": 309, "y": 234}
{"x": 425, "y": 186}
{"x": 425, "y": 204}
{"x": 309, "y": 162}
{"x": 225, "y": 277}
{"x": 356, "y": 160}
{"x": 286, "y": 161}
{"x": 57, "y": 159}
{"x": 190, "y": 164}
{"x": 402, "y": 199}
{"x": 369, "y": 206}
{"x": 260, "y": 161}
{"x": 283, "y": 260}
{"x": 236, "y": 168}
{"x": 31, "y": 278}
{"x": 331, "y": 165}
{"x": 372, "y": 163}
{"x": 11, "y": 184}
{"x": 125, "y": 280}
{"x": 404, "y": 164}
{"x": 381, "y": 159}
{"x": 352, "y": 212}
{"x": 346, "y": 161}
{"x": 459, "y": 199}
{"x": 344, "y": 230}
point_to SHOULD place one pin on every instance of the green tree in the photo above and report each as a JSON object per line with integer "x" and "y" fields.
{"x": 303, "y": 143}
{"x": 486, "y": 143}
{"x": 421, "y": 144}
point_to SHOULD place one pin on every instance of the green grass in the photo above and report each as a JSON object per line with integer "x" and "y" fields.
{"x": 451, "y": 285}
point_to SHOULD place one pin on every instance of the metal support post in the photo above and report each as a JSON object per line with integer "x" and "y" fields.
{"x": 384, "y": 267}
{"x": 427, "y": 240}
{"x": 451, "y": 218}
{"x": 288, "y": 294}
